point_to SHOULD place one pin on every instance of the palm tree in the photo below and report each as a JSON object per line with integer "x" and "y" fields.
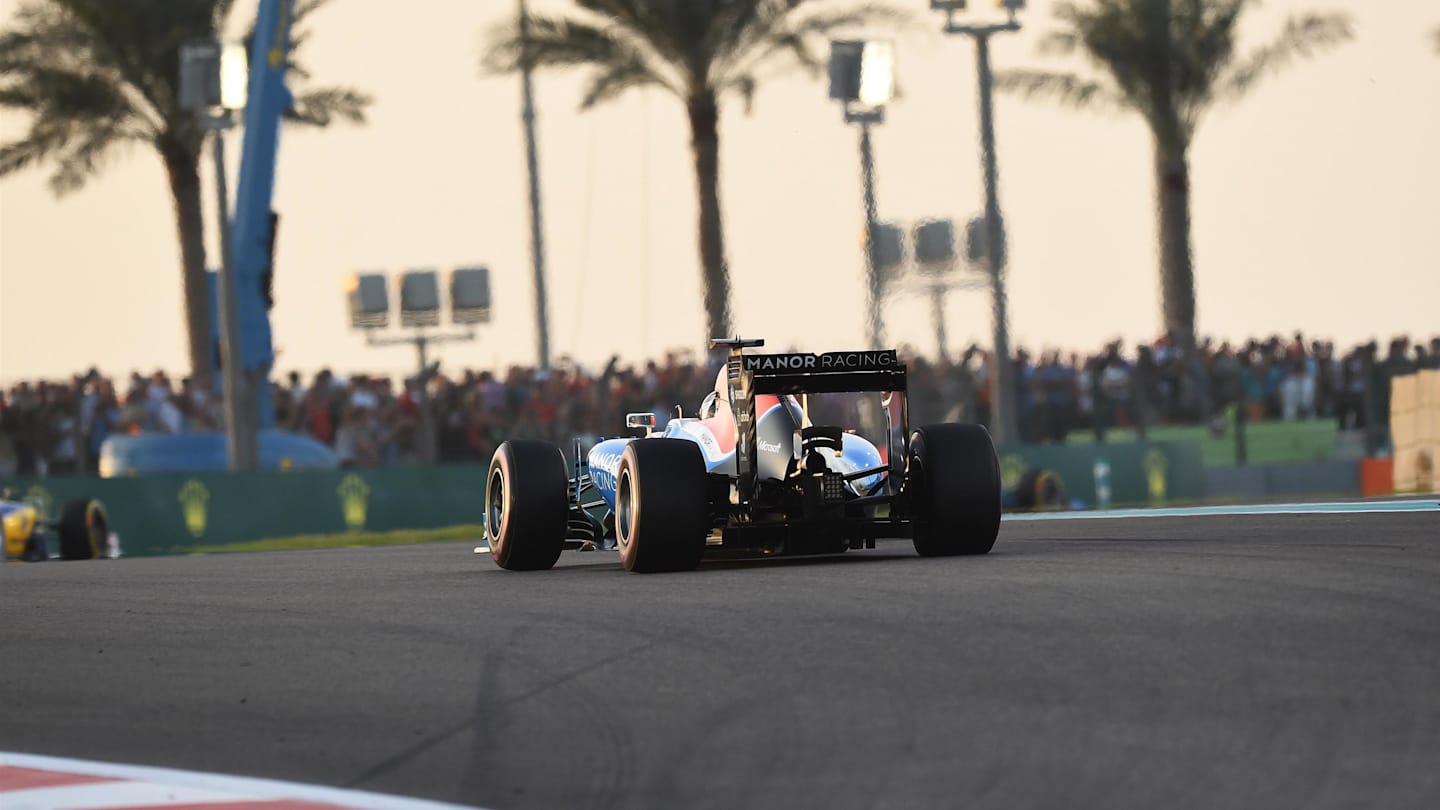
{"x": 1170, "y": 61}
{"x": 700, "y": 51}
{"x": 96, "y": 74}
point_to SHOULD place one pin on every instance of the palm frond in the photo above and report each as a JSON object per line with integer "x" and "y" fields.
{"x": 35, "y": 147}
{"x": 746, "y": 86}
{"x": 83, "y": 160}
{"x": 1059, "y": 43}
{"x": 313, "y": 107}
{"x": 75, "y": 118}
{"x": 1303, "y": 36}
{"x": 608, "y": 82}
{"x": 321, "y": 106}
{"x": 1069, "y": 38}
{"x": 1114, "y": 38}
{"x": 786, "y": 34}
{"x": 1065, "y": 88}
{"x": 304, "y": 9}
{"x": 674, "y": 33}
{"x": 137, "y": 44}
{"x": 619, "y": 62}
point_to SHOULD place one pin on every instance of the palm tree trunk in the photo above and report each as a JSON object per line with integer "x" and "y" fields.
{"x": 181, "y": 166}
{"x": 1177, "y": 271}
{"x": 1177, "y": 263}
{"x": 705, "y": 146}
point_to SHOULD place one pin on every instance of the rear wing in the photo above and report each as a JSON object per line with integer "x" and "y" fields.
{"x": 750, "y": 375}
{"x": 832, "y": 372}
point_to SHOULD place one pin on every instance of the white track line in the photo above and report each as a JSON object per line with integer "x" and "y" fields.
{"x": 1337, "y": 508}
{"x": 101, "y": 795}
{"x": 136, "y": 785}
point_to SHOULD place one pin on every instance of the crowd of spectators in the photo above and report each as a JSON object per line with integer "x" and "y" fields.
{"x": 57, "y": 427}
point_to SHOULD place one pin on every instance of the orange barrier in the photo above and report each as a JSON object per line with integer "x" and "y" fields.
{"x": 1377, "y": 476}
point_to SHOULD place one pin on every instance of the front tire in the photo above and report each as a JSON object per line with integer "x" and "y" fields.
{"x": 527, "y": 504}
{"x": 661, "y": 512}
{"x": 84, "y": 530}
{"x": 954, "y": 488}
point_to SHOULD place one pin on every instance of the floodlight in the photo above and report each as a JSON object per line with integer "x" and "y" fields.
{"x": 975, "y": 239}
{"x": 419, "y": 298}
{"x": 935, "y": 244}
{"x": 369, "y": 300}
{"x": 470, "y": 295}
{"x": 862, "y": 71}
{"x": 889, "y": 245}
{"x": 877, "y": 74}
{"x": 234, "y": 76}
{"x": 845, "y": 61}
{"x": 199, "y": 89}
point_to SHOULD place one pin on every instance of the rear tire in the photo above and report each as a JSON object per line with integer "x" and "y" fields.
{"x": 954, "y": 488}
{"x": 84, "y": 530}
{"x": 527, "y": 504}
{"x": 661, "y": 512}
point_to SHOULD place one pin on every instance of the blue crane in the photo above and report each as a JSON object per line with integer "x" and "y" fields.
{"x": 254, "y": 227}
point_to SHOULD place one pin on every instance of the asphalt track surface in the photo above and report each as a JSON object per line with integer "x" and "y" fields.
{"x": 1288, "y": 661}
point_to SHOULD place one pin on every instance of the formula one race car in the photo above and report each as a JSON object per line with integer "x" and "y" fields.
{"x": 753, "y": 474}
{"x": 81, "y": 533}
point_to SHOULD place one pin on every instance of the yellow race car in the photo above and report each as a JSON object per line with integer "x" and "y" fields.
{"x": 81, "y": 533}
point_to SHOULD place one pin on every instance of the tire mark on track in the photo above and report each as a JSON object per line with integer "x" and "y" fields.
{"x": 488, "y": 687}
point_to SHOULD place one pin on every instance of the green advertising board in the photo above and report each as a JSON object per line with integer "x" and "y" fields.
{"x": 1139, "y": 473}
{"x": 169, "y": 514}
{"x": 173, "y": 514}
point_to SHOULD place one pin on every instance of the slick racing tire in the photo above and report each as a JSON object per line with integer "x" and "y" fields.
{"x": 83, "y": 530}
{"x": 527, "y": 503}
{"x": 1039, "y": 490}
{"x": 661, "y": 514}
{"x": 954, "y": 488}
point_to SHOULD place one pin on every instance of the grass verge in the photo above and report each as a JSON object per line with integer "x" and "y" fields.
{"x": 402, "y": 537}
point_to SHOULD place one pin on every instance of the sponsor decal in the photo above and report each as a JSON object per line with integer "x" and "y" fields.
{"x": 702, "y": 436}
{"x": 830, "y": 361}
{"x": 194, "y": 498}
{"x": 354, "y": 498}
{"x": 770, "y": 447}
{"x": 1012, "y": 466}
{"x": 607, "y": 462}
{"x": 1155, "y": 466}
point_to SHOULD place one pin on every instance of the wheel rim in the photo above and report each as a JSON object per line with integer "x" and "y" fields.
{"x": 100, "y": 536}
{"x": 495, "y": 507}
{"x": 922, "y": 503}
{"x": 624, "y": 508}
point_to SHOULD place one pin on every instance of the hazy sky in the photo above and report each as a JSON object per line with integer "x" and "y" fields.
{"x": 1314, "y": 205}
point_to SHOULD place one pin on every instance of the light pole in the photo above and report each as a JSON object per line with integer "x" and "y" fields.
{"x": 1002, "y": 419}
{"x": 420, "y": 307}
{"x": 537, "y": 224}
{"x": 862, "y": 77}
{"x": 872, "y": 264}
{"x": 207, "y": 90}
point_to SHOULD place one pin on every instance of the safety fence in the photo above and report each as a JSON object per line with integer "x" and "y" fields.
{"x": 1101, "y": 475}
{"x": 170, "y": 514}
